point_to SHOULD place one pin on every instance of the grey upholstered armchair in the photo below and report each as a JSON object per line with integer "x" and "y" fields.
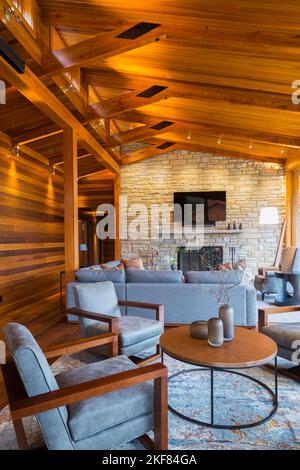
{"x": 285, "y": 334}
{"x": 99, "y": 312}
{"x": 96, "y": 406}
{"x": 266, "y": 282}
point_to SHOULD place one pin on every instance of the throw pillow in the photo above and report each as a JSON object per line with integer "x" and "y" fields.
{"x": 133, "y": 263}
{"x": 109, "y": 267}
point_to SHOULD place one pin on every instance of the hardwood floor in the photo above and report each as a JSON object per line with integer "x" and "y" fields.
{"x": 49, "y": 328}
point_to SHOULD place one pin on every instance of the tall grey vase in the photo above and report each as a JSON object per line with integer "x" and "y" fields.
{"x": 226, "y": 314}
{"x": 215, "y": 332}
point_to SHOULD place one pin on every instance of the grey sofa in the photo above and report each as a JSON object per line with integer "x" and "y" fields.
{"x": 184, "y": 302}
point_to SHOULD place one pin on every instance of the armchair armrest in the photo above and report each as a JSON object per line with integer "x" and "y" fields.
{"x": 80, "y": 345}
{"x": 265, "y": 311}
{"x": 32, "y": 405}
{"x": 159, "y": 308}
{"x": 112, "y": 321}
{"x": 264, "y": 269}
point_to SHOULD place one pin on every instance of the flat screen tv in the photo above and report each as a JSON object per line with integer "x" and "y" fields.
{"x": 214, "y": 205}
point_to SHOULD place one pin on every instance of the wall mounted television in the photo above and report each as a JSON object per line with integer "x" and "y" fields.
{"x": 214, "y": 205}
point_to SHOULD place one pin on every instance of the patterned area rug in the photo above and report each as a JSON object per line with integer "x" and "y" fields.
{"x": 237, "y": 400}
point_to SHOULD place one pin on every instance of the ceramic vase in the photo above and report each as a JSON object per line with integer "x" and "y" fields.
{"x": 215, "y": 332}
{"x": 226, "y": 314}
{"x": 198, "y": 329}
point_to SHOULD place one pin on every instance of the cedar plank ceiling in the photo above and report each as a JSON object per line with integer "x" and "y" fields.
{"x": 225, "y": 69}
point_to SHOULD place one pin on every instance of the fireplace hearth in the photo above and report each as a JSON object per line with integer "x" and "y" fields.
{"x": 208, "y": 257}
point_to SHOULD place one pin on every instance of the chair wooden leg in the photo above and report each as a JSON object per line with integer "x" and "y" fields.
{"x": 292, "y": 372}
{"x": 20, "y": 433}
{"x": 147, "y": 442}
{"x": 161, "y": 413}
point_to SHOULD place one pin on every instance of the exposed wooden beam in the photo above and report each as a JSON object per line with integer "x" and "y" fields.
{"x": 148, "y": 152}
{"x": 35, "y": 134}
{"x": 269, "y": 32}
{"x": 216, "y": 131}
{"x": 98, "y": 175}
{"x": 59, "y": 160}
{"x": 140, "y": 133}
{"x": 21, "y": 32}
{"x": 194, "y": 91}
{"x": 101, "y": 46}
{"x": 70, "y": 204}
{"x": 293, "y": 162}
{"x": 78, "y": 96}
{"x": 36, "y": 159}
{"x": 38, "y": 94}
{"x": 40, "y": 137}
{"x": 132, "y": 100}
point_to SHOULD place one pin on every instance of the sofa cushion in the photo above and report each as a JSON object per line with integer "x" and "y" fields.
{"x": 149, "y": 277}
{"x": 131, "y": 329}
{"x": 234, "y": 276}
{"x": 99, "y": 275}
{"x": 89, "y": 417}
{"x": 284, "y": 333}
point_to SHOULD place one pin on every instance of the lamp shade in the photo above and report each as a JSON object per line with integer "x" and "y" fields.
{"x": 83, "y": 247}
{"x": 268, "y": 216}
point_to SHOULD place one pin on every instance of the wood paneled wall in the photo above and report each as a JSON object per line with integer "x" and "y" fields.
{"x": 31, "y": 237}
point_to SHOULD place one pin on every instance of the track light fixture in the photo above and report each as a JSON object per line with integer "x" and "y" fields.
{"x": 10, "y": 13}
{"x": 15, "y": 150}
{"x": 70, "y": 87}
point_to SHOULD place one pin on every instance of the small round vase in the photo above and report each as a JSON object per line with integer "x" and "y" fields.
{"x": 198, "y": 329}
{"x": 226, "y": 314}
{"x": 215, "y": 332}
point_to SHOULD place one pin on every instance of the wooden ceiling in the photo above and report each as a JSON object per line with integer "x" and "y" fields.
{"x": 205, "y": 76}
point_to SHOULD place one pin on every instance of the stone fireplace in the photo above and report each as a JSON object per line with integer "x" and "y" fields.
{"x": 249, "y": 185}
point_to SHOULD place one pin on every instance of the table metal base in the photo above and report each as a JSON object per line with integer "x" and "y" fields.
{"x": 212, "y": 424}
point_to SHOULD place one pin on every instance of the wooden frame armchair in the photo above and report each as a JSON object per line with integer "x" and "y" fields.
{"x": 281, "y": 333}
{"x": 114, "y": 327}
{"x": 21, "y": 405}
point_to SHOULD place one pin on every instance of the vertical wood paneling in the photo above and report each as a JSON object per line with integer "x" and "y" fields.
{"x": 31, "y": 237}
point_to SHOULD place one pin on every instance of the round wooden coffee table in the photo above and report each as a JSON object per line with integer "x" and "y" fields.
{"x": 248, "y": 349}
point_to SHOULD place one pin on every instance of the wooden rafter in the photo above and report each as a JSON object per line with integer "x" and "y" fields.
{"x": 39, "y": 95}
{"x": 214, "y": 130}
{"x": 101, "y": 46}
{"x": 151, "y": 151}
{"x": 216, "y": 150}
{"x": 141, "y": 133}
{"x": 195, "y": 91}
{"x": 132, "y": 100}
{"x": 21, "y": 32}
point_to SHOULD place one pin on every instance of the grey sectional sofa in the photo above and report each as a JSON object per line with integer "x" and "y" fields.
{"x": 184, "y": 301}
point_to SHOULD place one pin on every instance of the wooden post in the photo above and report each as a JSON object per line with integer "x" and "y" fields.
{"x": 117, "y": 190}
{"x": 289, "y": 192}
{"x": 71, "y": 204}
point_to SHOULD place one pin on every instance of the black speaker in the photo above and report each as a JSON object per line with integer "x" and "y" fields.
{"x": 11, "y": 57}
